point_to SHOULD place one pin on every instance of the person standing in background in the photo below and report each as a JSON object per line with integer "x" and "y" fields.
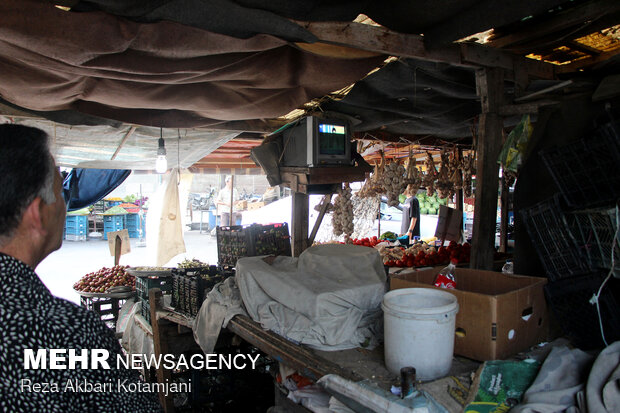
{"x": 410, "y": 224}
{"x": 223, "y": 202}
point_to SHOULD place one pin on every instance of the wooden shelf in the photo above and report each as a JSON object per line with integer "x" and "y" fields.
{"x": 321, "y": 180}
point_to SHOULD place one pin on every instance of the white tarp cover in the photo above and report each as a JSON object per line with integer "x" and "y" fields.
{"x": 329, "y": 298}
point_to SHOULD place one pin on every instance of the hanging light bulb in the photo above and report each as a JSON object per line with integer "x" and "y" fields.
{"x": 161, "y": 164}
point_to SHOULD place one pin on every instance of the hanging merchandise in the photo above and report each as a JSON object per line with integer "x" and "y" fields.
{"x": 469, "y": 170}
{"x": 513, "y": 151}
{"x": 456, "y": 171}
{"x": 414, "y": 176}
{"x": 342, "y": 218}
{"x": 394, "y": 182}
{"x": 430, "y": 176}
{"x": 444, "y": 185}
{"x": 373, "y": 186}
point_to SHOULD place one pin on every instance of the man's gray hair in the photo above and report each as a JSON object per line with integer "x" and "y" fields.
{"x": 27, "y": 171}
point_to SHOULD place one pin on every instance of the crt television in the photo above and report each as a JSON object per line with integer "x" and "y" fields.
{"x": 313, "y": 141}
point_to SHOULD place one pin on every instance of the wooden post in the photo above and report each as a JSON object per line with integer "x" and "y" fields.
{"x": 319, "y": 219}
{"x": 504, "y": 208}
{"x": 299, "y": 224}
{"x": 160, "y": 348}
{"x": 490, "y": 85}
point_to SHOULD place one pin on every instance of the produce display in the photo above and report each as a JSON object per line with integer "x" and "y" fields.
{"x": 428, "y": 180}
{"x": 429, "y": 205}
{"x": 424, "y": 255}
{"x": 102, "y": 280}
{"x": 193, "y": 263}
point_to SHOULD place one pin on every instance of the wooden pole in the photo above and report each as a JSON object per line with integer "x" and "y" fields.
{"x": 504, "y": 208}
{"x": 319, "y": 219}
{"x": 299, "y": 223}
{"x": 490, "y": 85}
{"x": 232, "y": 190}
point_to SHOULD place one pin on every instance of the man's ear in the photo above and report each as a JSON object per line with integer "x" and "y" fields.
{"x": 33, "y": 215}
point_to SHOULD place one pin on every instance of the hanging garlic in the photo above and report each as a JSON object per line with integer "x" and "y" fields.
{"x": 430, "y": 176}
{"x": 342, "y": 217}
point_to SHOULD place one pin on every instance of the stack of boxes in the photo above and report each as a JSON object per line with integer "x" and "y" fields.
{"x": 76, "y": 227}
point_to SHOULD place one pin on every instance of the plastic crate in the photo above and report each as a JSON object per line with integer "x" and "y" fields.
{"x": 76, "y": 224}
{"x": 112, "y": 223}
{"x": 145, "y": 309}
{"x": 569, "y": 301}
{"x": 106, "y": 307}
{"x": 75, "y": 237}
{"x": 587, "y": 171}
{"x": 557, "y": 249}
{"x": 190, "y": 287}
{"x": 144, "y": 284}
{"x": 237, "y": 241}
{"x": 273, "y": 239}
{"x": 233, "y": 242}
{"x": 594, "y": 231}
{"x": 133, "y": 222}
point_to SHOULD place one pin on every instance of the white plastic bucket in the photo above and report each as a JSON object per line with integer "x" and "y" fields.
{"x": 419, "y": 331}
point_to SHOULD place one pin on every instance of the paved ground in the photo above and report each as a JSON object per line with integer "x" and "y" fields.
{"x": 61, "y": 269}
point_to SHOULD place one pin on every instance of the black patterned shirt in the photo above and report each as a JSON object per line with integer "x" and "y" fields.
{"x": 32, "y": 318}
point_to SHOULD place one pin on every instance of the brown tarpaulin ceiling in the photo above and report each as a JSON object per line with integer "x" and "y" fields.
{"x": 159, "y": 74}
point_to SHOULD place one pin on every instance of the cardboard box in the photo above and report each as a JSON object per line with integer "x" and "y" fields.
{"x": 255, "y": 205}
{"x": 499, "y": 315}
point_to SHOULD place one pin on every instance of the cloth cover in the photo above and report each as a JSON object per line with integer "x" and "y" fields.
{"x": 223, "y": 302}
{"x": 329, "y": 298}
{"x": 568, "y": 381}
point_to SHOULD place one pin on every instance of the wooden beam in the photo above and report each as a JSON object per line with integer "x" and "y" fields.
{"x": 524, "y": 108}
{"x": 583, "y": 14}
{"x": 490, "y": 84}
{"x": 485, "y": 15}
{"x": 581, "y": 63}
{"x": 381, "y": 40}
{"x": 545, "y": 90}
{"x": 299, "y": 224}
{"x": 319, "y": 219}
{"x": 300, "y": 358}
{"x": 130, "y": 132}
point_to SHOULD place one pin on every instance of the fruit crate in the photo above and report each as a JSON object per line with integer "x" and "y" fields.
{"x": 112, "y": 223}
{"x": 556, "y": 246}
{"x": 238, "y": 241}
{"x": 569, "y": 301}
{"x": 587, "y": 171}
{"x": 271, "y": 239}
{"x": 595, "y": 231}
{"x": 190, "y": 287}
{"x": 107, "y": 308}
{"x": 233, "y": 242}
{"x": 145, "y": 309}
{"x": 144, "y": 284}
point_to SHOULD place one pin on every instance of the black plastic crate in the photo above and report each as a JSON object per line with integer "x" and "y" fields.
{"x": 569, "y": 301}
{"x": 144, "y": 284}
{"x": 587, "y": 171}
{"x": 238, "y": 241}
{"x": 557, "y": 248}
{"x": 145, "y": 309}
{"x": 190, "y": 287}
{"x": 106, "y": 307}
{"x": 273, "y": 239}
{"x": 594, "y": 230}
{"x": 233, "y": 243}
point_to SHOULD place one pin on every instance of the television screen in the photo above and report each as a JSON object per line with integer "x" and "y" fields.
{"x": 332, "y": 139}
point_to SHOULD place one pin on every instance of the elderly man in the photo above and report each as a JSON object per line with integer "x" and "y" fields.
{"x": 32, "y": 214}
